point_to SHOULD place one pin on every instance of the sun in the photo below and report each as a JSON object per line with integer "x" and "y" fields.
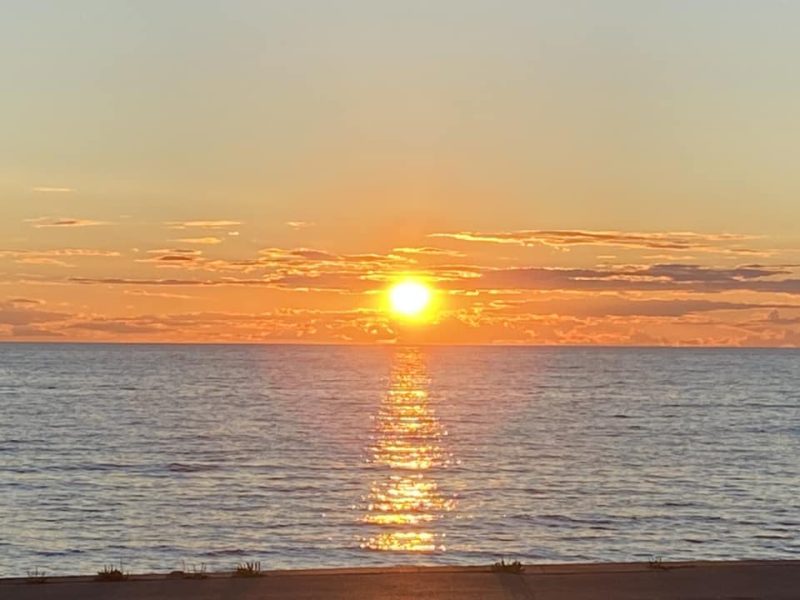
{"x": 409, "y": 298}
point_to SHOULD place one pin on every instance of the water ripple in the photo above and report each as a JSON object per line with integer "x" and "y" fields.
{"x": 323, "y": 456}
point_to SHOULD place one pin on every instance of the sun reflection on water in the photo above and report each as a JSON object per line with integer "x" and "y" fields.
{"x": 406, "y": 450}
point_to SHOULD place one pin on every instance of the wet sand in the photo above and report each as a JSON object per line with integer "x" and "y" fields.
{"x": 765, "y": 580}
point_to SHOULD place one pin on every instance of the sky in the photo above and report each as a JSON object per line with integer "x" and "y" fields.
{"x": 573, "y": 172}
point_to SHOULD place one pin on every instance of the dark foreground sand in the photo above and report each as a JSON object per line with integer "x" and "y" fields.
{"x": 765, "y": 580}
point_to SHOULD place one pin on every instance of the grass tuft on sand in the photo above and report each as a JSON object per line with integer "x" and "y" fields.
{"x": 248, "y": 569}
{"x": 195, "y": 572}
{"x": 656, "y": 563}
{"x": 111, "y": 573}
{"x": 36, "y": 576}
{"x": 501, "y": 566}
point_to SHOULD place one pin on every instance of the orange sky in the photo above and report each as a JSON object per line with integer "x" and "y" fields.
{"x": 561, "y": 173}
{"x": 539, "y": 287}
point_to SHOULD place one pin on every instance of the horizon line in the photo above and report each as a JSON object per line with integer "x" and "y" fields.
{"x": 390, "y": 345}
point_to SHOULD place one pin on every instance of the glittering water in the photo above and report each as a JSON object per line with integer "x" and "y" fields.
{"x": 407, "y": 450}
{"x": 158, "y": 456}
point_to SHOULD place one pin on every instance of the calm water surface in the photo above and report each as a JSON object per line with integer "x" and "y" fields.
{"x": 160, "y": 456}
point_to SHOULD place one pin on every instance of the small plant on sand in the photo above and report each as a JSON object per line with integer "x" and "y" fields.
{"x": 111, "y": 573}
{"x": 36, "y": 576}
{"x": 502, "y": 566}
{"x": 248, "y": 569}
{"x": 195, "y": 572}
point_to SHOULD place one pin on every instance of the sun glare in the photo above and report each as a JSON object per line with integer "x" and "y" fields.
{"x": 409, "y": 298}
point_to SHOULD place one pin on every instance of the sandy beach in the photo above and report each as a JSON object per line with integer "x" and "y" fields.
{"x": 765, "y": 580}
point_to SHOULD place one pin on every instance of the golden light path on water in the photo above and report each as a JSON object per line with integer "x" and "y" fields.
{"x": 407, "y": 448}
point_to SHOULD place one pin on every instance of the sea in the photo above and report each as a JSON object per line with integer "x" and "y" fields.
{"x": 191, "y": 457}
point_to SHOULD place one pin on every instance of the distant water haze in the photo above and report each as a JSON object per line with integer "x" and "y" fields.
{"x": 168, "y": 456}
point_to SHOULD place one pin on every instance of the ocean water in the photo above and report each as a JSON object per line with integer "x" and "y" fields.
{"x": 168, "y": 457}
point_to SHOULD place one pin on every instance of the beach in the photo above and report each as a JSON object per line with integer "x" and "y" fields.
{"x": 697, "y": 580}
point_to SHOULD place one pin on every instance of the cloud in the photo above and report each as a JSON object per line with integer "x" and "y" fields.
{"x": 37, "y": 260}
{"x": 775, "y": 318}
{"x": 52, "y": 190}
{"x": 60, "y": 252}
{"x": 21, "y": 313}
{"x": 146, "y": 294}
{"x": 29, "y": 331}
{"x": 302, "y": 253}
{"x": 163, "y": 282}
{"x": 25, "y": 301}
{"x": 661, "y": 277}
{"x": 186, "y": 251}
{"x": 428, "y": 251}
{"x": 280, "y": 325}
{"x": 564, "y": 239}
{"x": 116, "y": 326}
{"x": 205, "y": 241}
{"x": 307, "y": 268}
{"x": 221, "y": 224}
{"x": 339, "y": 282}
{"x": 671, "y": 301}
{"x": 299, "y": 224}
{"x": 616, "y": 306}
{"x": 690, "y": 272}
{"x": 315, "y": 257}
{"x": 333, "y": 282}
{"x": 592, "y": 320}
{"x": 54, "y": 257}
{"x": 41, "y": 222}
{"x": 173, "y": 257}
{"x": 301, "y": 261}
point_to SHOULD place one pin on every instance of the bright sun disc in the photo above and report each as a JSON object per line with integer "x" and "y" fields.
{"x": 409, "y": 298}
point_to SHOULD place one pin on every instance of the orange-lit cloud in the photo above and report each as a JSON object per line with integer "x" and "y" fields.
{"x": 59, "y": 252}
{"x": 52, "y": 190}
{"x": 312, "y": 293}
{"x": 43, "y": 222}
{"x": 203, "y": 241}
{"x": 220, "y": 224}
{"x": 563, "y": 239}
{"x": 55, "y": 257}
{"x": 428, "y": 251}
{"x": 21, "y": 312}
{"x": 299, "y": 224}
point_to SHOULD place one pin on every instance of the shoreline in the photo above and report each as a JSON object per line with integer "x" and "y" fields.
{"x": 763, "y": 579}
